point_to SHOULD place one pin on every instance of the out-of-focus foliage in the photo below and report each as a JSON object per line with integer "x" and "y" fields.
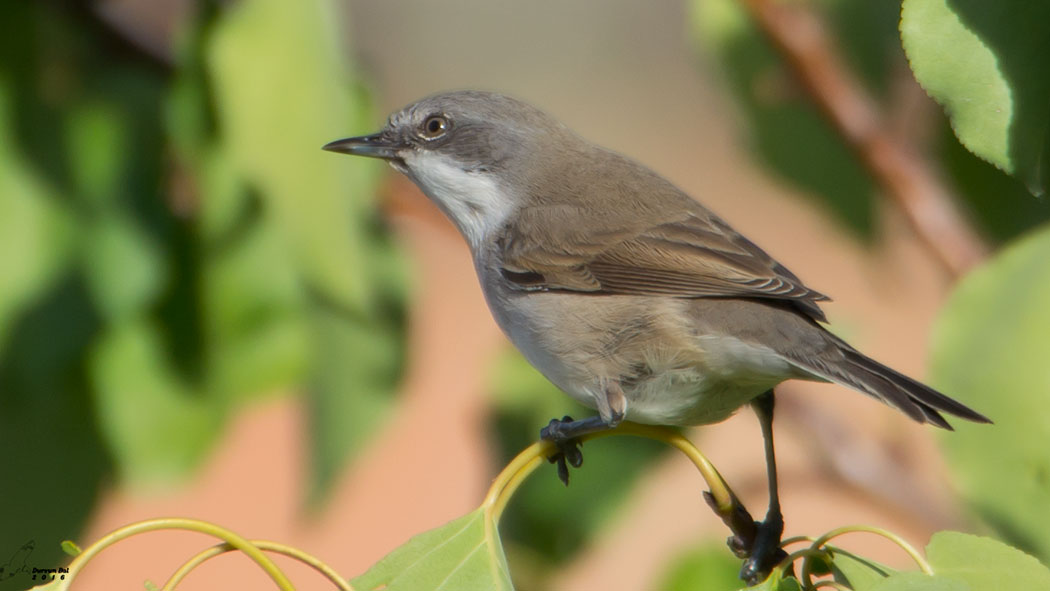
{"x": 794, "y": 141}
{"x": 173, "y": 243}
{"x": 709, "y": 567}
{"x": 547, "y": 524}
{"x": 787, "y": 133}
{"x": 991, "y": 350}
{"x": 985, "y": 62}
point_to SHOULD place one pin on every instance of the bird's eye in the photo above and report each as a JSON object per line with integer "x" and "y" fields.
{"x": 435, "y": 126}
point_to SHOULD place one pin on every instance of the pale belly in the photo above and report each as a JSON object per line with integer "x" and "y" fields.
{"x": 671, "y": 372}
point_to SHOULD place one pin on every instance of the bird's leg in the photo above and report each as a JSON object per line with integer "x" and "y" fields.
{"x": 564, "y": 433}
{"x": 765, "y": 550}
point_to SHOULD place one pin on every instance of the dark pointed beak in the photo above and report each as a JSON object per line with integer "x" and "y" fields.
{"x": 377, "y": 145}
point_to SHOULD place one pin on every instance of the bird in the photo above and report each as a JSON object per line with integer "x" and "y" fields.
{"x": 625, "y": 292}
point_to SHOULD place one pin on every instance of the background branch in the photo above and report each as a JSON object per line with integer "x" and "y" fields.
{"x": 904, "y": 174}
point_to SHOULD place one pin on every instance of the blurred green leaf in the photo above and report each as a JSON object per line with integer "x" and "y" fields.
{"x": 35, "y": 232}
{"x": 462, "y": 554}
{"x": 985, "y": 63}
{"x": 254, "y": 312}
{"x": 545, "y": 519}
{"x": 157, "y": 427}
{"x": 281, "y": 92}
{"x": 54, "y": 460}
{"x": 122, "y": 266}
{"x": 785, "y": 130}
{"x": 350, "y": 393}
{"x": 710, "y": 567}
{"x": 990, "y": 350}
{"x": 70, "y": 548}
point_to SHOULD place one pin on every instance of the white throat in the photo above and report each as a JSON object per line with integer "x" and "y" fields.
{"x": 473, "y": 201}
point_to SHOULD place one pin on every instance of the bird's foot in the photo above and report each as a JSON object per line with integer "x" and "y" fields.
{"x": 757, "y": 542}
{"x": 561, "y": 432}
{"x": 765, "y": 552}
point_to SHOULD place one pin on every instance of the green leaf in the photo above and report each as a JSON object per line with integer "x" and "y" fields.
{"x": 55, "y": 461}
{"x": 122, "y": 265}
{"x": 856, "y": 572}
{"x": 913, "y": 581}
{"x": 985, "y": 563}
{"x": 349, "y": 395}
{"x": 777, "y": 584}
{"x": 157, "y": 426}
{"x": 990, "y": 350}
{"x": 35, "y": 233}
{"x": 984, "y": 62}
{"x": 70, "y": 548}
{"x": 710, "y": 567}
{"x": 462, "y": 555}
{"x": 998, "y": 203}
{"x": 281, "y": 92}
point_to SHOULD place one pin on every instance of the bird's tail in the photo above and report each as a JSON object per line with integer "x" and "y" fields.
{"x": 917, "y": 400}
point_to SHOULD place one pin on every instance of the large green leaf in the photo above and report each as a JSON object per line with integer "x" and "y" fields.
{"x": 985, "y": 63}
{"x": 462, "y": 555}
{"x": 964, "y": 562}
{"x": 985, "y": 563}
{"x": 990, "y": 350}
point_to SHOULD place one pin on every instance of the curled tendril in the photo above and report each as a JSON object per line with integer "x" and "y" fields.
{"x": 255, "y": 550}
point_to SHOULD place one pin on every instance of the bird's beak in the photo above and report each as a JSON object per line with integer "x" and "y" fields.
{"x": 379, "y": 145}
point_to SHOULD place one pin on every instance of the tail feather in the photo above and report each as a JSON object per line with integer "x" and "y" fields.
{"x": 928, "y": 400}
{"x": 919, "y": 401}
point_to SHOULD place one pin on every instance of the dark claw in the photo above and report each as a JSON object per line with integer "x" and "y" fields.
{"x": 568, "y": 453}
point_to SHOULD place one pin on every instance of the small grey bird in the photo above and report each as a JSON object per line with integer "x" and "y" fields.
{"x": 622, "y": 290}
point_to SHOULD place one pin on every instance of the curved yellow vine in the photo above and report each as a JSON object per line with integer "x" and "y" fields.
{"x": 232, "y": 539}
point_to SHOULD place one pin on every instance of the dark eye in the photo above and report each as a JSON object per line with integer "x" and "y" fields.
{"x": 435, "y": 126}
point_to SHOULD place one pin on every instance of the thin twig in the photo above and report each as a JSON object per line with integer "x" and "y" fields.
{"x": 905, "y": 176}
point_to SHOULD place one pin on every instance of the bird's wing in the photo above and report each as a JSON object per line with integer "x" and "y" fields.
{"x": 695, "y": 255}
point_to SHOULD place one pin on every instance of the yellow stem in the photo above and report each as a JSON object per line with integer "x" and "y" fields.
{"x": 924, "y": 566}
{"x": 525, "y": 462}
{"x": 266, "y": 545}
{"x": 204, "y": 527}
